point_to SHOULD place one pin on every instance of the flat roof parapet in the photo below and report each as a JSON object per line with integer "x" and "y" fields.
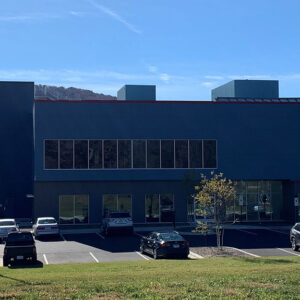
{"x": 257, "y": 100}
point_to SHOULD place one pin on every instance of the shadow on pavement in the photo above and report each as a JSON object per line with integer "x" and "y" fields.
{"x": 114, "y": 243}
{"x": 49, "y": 238}
{"x": 25, "y": 265}
{"x": 252, "y": 239}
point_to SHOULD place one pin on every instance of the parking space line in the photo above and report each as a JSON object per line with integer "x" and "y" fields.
{"x": 63, "y": 237}
{"x": 195, "y": 255}
{"x": 93, "y": 256}
{"x": 288, "y": 251}
{"x": 243, "y": 251}
{"x": 45, "y": 259}
{"x": 102, "y": 237}
{"x": 143, "y": 256}
{"x": 246, "y": 231}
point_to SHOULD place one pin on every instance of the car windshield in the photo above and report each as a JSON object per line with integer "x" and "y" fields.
{"x": 119, "y": 215}
{"x": 47, "y": 221}
{"x": 19, "y": 238}
{"x": 171, "y": 237}
{"x": 7, "y": 223}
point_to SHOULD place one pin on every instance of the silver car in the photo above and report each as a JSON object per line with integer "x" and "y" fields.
{"x": 45, "y": 226}
{"x": 7, "y": 226}
{"x": 117, "y": 221}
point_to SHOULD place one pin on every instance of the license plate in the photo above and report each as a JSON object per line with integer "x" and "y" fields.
{"x": 175, "y": 246}
{"x": 20, "y": 257}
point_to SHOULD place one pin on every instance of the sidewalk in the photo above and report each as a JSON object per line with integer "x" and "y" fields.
{"x": 186, "y": 230}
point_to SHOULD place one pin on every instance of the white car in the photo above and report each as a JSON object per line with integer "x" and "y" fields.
{"x": 45, "y": 226}
{"x": 7, "y": 226}
{"x": 117, "y": 221}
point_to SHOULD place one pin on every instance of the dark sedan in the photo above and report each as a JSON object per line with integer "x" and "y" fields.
{"x": 295, "y": 236}
{"x": 163, "y": 244}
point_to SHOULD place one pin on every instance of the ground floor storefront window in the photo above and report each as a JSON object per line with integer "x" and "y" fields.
{"x": 254, "y": 201}
{"x": 73, "y": 209}
{"x": 159, "y": 208}
{"x": 116, "y": 202}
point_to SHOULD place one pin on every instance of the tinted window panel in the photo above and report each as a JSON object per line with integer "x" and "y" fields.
{"x": 81, "y": 154}
{"x": 95, "y": 154}
{"x": 152, "y": 208}
{"x": 139, "y": 154}
{"x": 66, "y": 209}
{"x": 210, "y": 152}
{"x": 81, "y": 209}
{"x": 110, "y": 154}
{"x": 66, "y": 154}
{"x": 181, "y": 154}
{"x": 124, "y": 203}
{"x": 167, "y": 154}
{"x": 166, "y": 207}
{"x": 195, "y": 154}
{"x": 124, "y": 154}
{"x": 110, "y": 202}
{"x": 153, "y": 154}
{"x": 51, "y": 154}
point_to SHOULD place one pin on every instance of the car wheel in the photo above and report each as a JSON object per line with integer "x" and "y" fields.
{"x": 142, "y": 249}
{"x": 34, "y": 260}
{"x": 294, "y": 245}
{"x": 155, "y": 254}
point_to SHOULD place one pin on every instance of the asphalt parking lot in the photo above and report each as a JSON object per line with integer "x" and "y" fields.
{"x": 94, "y": 247}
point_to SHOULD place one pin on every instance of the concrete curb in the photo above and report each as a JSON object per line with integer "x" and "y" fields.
{"x": 148, "y": 229}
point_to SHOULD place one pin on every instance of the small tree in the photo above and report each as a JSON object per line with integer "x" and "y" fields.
{"x": 213, "y": 195}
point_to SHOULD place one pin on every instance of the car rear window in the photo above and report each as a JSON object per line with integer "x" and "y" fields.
{"x": 171, "y": 237}
{"x": 119, "y": 215}
{"x": 7, "y": 223}
{"x": 19, "y": 239}
{"x": 47, "y": 221}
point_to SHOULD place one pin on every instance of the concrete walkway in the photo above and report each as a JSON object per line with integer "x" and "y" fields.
{"x": 186, "y": 230}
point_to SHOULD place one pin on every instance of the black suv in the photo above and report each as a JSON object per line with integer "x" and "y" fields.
{"x": 19, "y": 246}
{"x": 295, "y": 236}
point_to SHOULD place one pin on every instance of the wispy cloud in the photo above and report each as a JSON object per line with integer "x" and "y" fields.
{"x": 214, "y": 77}
{"x": 164, "y": 77}
{"x": 115, "y": 16}
{"x": 77, "y": 13}
{"x": 208, "y": 84}
{"x": 152, "y": 69}
{"x": 63, "y": 75}
{"x": 27, "y": 18}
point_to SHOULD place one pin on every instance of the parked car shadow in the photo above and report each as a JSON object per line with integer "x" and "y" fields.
{"x": 249, "y": 239}
{"x": 49, "y": 238}
{"x": 113, "y": 243}
{"x": 25, "y": 265}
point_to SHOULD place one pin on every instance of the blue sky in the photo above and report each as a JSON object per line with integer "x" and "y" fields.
{"x": 185, "y": 47}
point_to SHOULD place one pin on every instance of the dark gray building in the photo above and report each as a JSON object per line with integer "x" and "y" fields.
{"x": 145, "y": 155}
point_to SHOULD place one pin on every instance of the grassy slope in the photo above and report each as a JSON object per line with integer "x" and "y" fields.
{"x": 234, "y": 278}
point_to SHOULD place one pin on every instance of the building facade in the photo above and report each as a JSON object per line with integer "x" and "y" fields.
{"x": 16, "y": 148}
{"x": 145, "y": 156}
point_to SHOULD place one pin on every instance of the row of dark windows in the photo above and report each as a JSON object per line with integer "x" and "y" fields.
{"x": 127, "y": 154}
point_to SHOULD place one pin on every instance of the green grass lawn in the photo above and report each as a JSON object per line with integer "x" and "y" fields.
{"x": 223, "y": 278}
